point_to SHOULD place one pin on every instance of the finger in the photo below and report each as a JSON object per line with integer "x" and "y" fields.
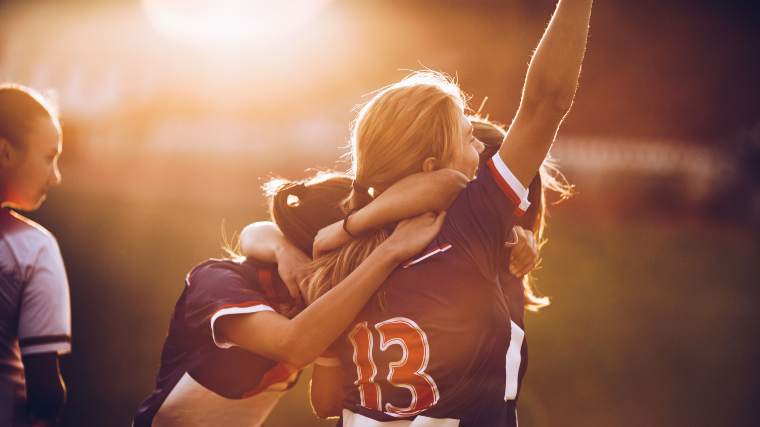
{"x": 291, "y": 284}
{"x": 529, "y": 265}
{"x": 440, "y": 218}
{"x": 522, "y": 269}
{"x": 519, "y": 263}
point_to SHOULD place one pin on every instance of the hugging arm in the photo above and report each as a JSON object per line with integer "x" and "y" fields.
{"x": 410, "y": 196}
{"x": 265, "y": 242}
{"x": 549, "y": 89}
{"x": 299, "y": 340}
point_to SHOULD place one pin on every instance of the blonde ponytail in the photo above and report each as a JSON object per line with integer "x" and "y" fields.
{"x": 401, "y": 126}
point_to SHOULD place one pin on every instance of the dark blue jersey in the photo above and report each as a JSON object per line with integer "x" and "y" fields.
{"x": 203, "y": 379}
{"x": 438, "y": 341}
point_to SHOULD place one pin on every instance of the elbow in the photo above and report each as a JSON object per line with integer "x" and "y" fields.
{"x": 325, "y": 410}
{"x": 550, "y": 96}
{"x": 246, "y": 239}
{"x": 554, "y": 105}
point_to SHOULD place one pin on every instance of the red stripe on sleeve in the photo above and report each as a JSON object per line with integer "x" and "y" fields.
{"x": 505, "y": 188}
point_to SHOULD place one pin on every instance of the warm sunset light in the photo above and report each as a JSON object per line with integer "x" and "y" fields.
{"x": 229, "y": 21}
{"x": 142, "y": 134}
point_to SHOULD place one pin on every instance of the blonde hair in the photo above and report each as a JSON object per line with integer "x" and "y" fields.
{"x": 401, "y": 126}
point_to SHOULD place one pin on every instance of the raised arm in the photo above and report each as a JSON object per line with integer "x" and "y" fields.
{"x": 299, "y": 340}
{"x": 412, "y": 195}
{"x": 549, "y": 89}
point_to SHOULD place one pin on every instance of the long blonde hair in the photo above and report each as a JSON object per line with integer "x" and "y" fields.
{"x": 401, "y": 126}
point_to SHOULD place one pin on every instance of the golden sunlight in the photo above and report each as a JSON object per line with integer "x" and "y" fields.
{"x": 223, "y": 23}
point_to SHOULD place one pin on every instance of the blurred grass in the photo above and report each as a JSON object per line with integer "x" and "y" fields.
{"x": 651, "y": 323}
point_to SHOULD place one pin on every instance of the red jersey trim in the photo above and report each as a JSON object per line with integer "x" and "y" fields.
{"x": 509, "y": 184}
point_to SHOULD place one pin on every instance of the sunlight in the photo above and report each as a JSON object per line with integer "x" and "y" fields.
{"x": 225, "y": 23}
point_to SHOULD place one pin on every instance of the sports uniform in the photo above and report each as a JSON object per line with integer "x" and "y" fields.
{"x": 437, "y": 347}
{"x": 35, "y": 313}
{"x": 204, "y": 380}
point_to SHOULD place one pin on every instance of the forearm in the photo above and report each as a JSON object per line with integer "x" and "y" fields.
{"x": 315, "y": 328}
{"x": 413, "y": 195}
{"x": 299, "y": 340}
{"x": 549, "y": 89}
{"x": 556, "y": 65}
{"x": 261, "y": 240}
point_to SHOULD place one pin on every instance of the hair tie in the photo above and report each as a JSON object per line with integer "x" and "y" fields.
{"x": 345, "y": 223}
{"x": 296, "y": 189}
{"x": 359, "y": 188}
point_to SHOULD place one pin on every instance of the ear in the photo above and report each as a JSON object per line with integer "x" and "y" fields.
{"x": 430, "y": 164}
{"x": 7, "y": 153}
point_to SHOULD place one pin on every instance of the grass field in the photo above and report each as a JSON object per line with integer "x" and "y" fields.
{"x": 652, "y": 322}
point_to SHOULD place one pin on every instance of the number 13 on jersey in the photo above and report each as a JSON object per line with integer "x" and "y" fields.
{"x": 408, "y": 372}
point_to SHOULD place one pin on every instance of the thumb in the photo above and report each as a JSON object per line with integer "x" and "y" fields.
{"x": 440, "y": 218}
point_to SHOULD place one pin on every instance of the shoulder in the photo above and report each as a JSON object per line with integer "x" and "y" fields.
{"x": 218, "y": 269}
{"x": 16, "y": 227}
{"x": 219, "y": 276}
{"x": 25, "y": 243}
{"x": 238, "y": 267}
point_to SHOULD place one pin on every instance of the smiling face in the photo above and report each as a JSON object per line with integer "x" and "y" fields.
{"x": 30, "y": 168}
{"x": 467, "y": 153}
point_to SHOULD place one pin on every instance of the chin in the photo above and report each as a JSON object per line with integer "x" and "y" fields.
{"x": 33, "y": 206}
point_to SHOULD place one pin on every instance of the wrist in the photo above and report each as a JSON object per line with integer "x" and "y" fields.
{"x": 388, "y": 253}
{"x": 353, "y": 223}
{"x": 392, "y": 252}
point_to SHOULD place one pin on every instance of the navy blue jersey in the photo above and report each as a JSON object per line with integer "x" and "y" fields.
{"x": 438, "y": 341}
{"x": 204, "y": 380}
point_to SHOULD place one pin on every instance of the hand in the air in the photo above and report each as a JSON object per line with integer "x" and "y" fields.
{"x": 524, "y": 255}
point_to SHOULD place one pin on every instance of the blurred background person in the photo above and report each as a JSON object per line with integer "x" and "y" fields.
{"x": 35, "y": 320}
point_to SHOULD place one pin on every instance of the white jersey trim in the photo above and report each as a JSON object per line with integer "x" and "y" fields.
{"x": 513, "y": 361}
{"x": 511, "y": 181}
{"x": 426, "y": 256}
{"x": 232, "y": 311}
{"x": 351, "y": 419}
{"x": 53, "y": 347}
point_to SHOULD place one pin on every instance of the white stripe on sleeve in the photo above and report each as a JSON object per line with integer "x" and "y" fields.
{"x": 230, "y": 311}
{"x": 509, "y": 178}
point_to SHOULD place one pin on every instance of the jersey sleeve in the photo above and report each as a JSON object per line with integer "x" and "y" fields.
{"x": 44, "y": 324}
{"x": 481, "y": 216}
{"x": 215, "y": 291}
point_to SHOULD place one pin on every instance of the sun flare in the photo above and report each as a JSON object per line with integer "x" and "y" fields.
{"x": 229, "y": 22}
